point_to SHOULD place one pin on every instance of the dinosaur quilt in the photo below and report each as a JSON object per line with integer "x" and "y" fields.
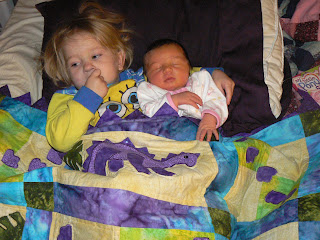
{"x": 147, "y": 178}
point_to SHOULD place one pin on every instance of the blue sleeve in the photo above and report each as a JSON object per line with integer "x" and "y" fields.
{"x": 210, "y": 70}
{"x": 88, "y": 98}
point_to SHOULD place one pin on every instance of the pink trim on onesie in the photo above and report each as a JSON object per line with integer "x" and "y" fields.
{"x": 170, "y": 101}
{"x": 214, "y": 114}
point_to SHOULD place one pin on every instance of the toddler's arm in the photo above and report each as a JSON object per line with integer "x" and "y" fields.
{"x": 69, "y": 117}
{"x": 224, "y": 83}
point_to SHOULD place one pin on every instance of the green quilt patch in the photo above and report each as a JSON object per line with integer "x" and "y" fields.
{"x": 13, "y": 135}
{"x": 309, "y": 207}
{"x": 310, "y": 122}
{"x": 39, "y": 195}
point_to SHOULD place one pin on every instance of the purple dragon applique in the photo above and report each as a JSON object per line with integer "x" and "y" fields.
{"x": 106, "y": 153}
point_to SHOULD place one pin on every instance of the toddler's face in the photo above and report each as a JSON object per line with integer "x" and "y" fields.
{"x": 83, "y": 54}
{"x": 167, "y": 67}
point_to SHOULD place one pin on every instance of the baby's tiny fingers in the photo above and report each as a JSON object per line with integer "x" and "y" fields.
{"x": 209, "y": 135}
{"x": 194, "y": 104}
{"x": 198, "y": 136}
{"x": 202, "y": 134}
{"x": 197, "y": 99}
{"x": 216, "y": 134}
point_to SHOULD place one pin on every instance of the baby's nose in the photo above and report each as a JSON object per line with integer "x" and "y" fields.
{"x": 167, "y": 68}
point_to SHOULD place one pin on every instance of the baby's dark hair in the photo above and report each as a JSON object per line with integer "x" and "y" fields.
{"x": 161, "y": 42}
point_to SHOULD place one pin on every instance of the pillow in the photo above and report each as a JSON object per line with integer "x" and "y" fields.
{"x": 244, "y": 37}
{"x": 20, "y": 45}
{"x": 254, "y": 59}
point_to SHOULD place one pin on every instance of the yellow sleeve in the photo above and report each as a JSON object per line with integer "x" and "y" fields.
{"x": 67, "y": 121}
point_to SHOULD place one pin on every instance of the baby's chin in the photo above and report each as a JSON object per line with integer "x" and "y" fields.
{"x": 173, "y": 87}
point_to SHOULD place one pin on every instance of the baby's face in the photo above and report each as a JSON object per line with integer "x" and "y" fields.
{"x": 83, "y": 54}
{"x": 167, "y": 67}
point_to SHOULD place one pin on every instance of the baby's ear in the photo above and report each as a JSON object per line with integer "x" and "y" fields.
{"x": 121, "y": 59}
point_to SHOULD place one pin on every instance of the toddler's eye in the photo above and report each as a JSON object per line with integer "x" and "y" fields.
{"x": 96, "y": 56}
{"x": 74, "y": 64}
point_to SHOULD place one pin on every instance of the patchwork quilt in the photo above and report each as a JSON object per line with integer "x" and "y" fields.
{"x": 147, "y": 178}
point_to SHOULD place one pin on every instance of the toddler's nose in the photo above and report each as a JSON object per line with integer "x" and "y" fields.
{"x": 88, "y": 66}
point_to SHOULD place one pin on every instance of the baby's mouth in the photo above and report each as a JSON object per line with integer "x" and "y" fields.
{"x": 169, "y": 79}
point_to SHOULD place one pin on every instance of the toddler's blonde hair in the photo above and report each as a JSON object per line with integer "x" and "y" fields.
{"x": 107, "y": 27}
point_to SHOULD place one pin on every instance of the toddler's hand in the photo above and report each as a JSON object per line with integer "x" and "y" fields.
{"x": 224, "y": 83}
{"x": 187, "y": 98}
{"x": 97, "y": 84}
{"x": 207, "y": 127}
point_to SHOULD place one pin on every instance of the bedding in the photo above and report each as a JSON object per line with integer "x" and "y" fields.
{"x": 20, "y": 44}
{"x": 147, "y": 178}
{"x": 160, "y": 183}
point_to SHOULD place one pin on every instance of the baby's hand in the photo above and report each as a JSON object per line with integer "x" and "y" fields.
{"x": 187, "y": 98}
{"x": 97, "y": 84}
{"x": 207, "y": 127}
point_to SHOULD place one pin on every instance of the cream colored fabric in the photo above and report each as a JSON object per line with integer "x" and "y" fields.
{"x": 20, "y": 46}
{"x": 189, "y": 183}
{"x": 287, "y": 231}
{"x": 290, "y": 160}
{"x": 273, "y": 57}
